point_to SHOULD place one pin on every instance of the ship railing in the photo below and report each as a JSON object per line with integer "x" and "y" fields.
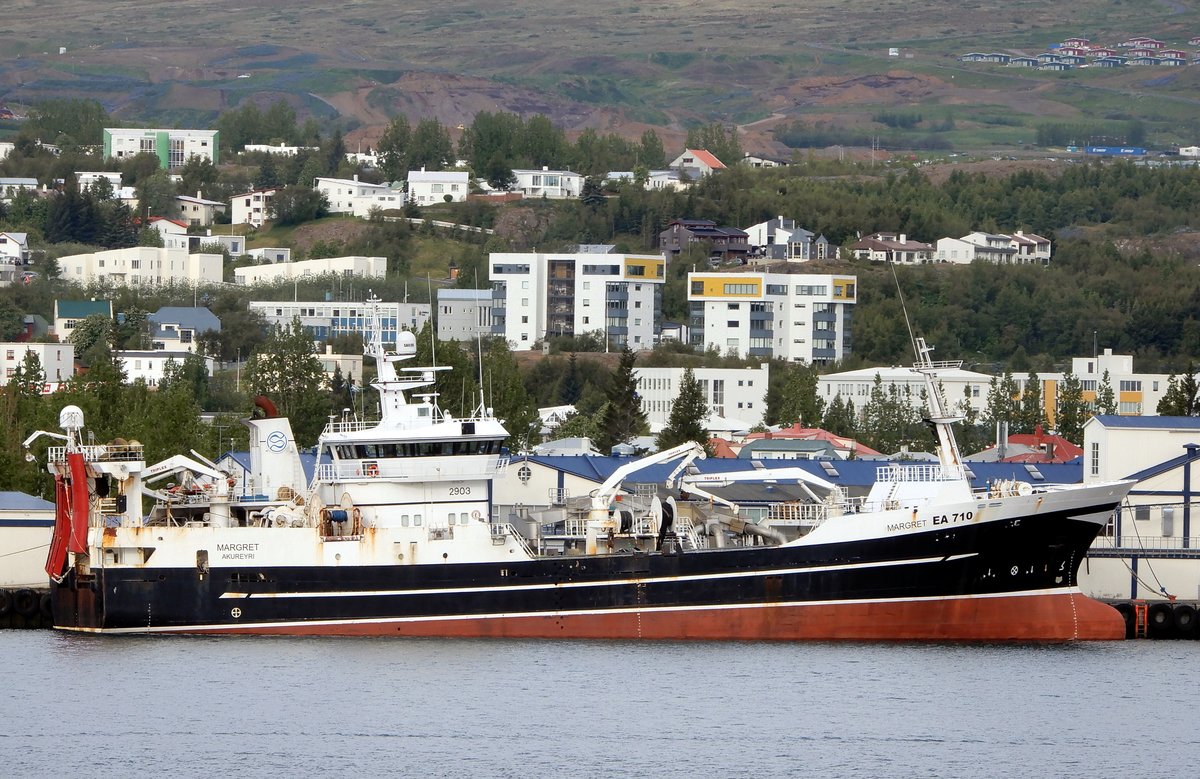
{"x": 100, "y": 453}
{"x": 800, "y": 514}
{"x": 413, "y": 469}
{"x": 921, "y": 472}
{"x": 358, "y": 425}
{"x": 501, "y": 531}
{"x": 1157, "y": 543}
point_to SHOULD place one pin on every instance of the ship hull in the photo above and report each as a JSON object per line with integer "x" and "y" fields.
{"x": 991, "y": 581}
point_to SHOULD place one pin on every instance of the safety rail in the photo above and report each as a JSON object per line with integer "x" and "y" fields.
{"x": 100, "y": 453}
{"x": 413, "y": 469}
{"x": 358, "y": 425}
{"x": 799, "y": 514}
{"x": 1156, "y": 543}
{"x": 923, "y": 472}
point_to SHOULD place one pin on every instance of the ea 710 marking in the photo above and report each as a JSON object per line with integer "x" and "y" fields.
{"x": 958, "y": 516}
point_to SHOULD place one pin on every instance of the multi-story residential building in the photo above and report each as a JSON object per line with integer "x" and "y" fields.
{"x": 197, "y": 211}
{"x": 725, "y": 243}
{"x": 327, "y": 319}
{"x": 783, "y": 239}
{"x": 593, "y": 289}
{"x": 56, "y": 359}
{"x": 172, "y": 147}
{"x": 427, "y": 188}
{"x": 737, "y": 395}
{"x": 142, "y": 265}
{"x": 252, "y": 208}
{"x": 464, "y": 314}
{"x": 178, "y": 328}
{"x": 963, "y": 252}
{"x": 550, "y": 184}
{"x": 69, "y": 313}
{"x": 791, "y": 316}
{"x": 351, "y": 196}
{"x": 353, "y": 267}
{"x": 890, "y": 247}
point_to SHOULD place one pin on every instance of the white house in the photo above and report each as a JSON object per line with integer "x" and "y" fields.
{"x": 697, "y": 163}
{"x": 197, "y": 211}
{"x": 349, "y": 267}
{"x": 795, "y": 317}
{"x": 57, "y": 360}
{"x": 783, "y": 239}
{"x": 142, "y": 265}
{"x": 271, "y": 254}
{"x": 959, "y": 386}
{"x": 282, "y": 149}
{"x": 87, "y": 179}
{"x": 150, "y": 366}
{"x": 963, "y": 252}
{"x": 11, "y": 186}
{"x": 178, "y": 328}
{"x": 172, "y": 147}
{"x": 351, "y": 196}
{"x": 69, "y": 313}
{"x": 26, "y": 523}
{"x": 251, "y": 208}
{"x": 427, "y": 188}
{"x": 731, "y": 393}
{"x": 326, "y": 319}
{"x": 174, "y": 232}
{"x": 14, "y": 254}
{"x": 550, "y": 184}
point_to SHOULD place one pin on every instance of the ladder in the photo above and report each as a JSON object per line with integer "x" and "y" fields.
{"x": 1141, "y": 618}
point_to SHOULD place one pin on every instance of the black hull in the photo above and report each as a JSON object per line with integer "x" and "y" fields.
{"x": 1012, "y": 564}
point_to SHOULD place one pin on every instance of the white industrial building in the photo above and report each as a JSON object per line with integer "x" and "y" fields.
{"x": 593, "y": 289}
{"x": 327, "y": 319}
{"x": 464, "y": 314}
{"x": 737, "y": 397}
{"x": 790, "y": 316}
{"x": 172, "y": 147}
{"x": 141, "y": 266}
{"x": 351, "y": 196}
{"x": 348, "y": 267}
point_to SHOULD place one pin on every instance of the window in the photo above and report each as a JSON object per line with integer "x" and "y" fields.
{"x": 1131, "y": 386}
{"x": 1095, "y": 458}
{"x": 741, "y": 289}
{"x": 697, "y": 287}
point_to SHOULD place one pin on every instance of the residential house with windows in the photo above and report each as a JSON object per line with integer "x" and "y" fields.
{"x": 270, "y": 254}
{"x": 142, "y": 266}
{"x": 427, "y": 188}
{"x": 736, "y": 397}
{"x": 783, "y": 239}
{"x": 87, "y": 179}
{"x": 172, "y": 147}
{"x": 11, "y": 186}
{"x": 695, "y": 164}
{"x": 151, "y": 365}
{"x": 69, "y": 313}
{"x": 464, "y": 314}
{"x": 173, "y": 232}
{"x": 759, "y": 161}
{"x": 197, "y": 211}
{"x": 351, "y": 196}
{"x": 550, "y": 184}
{"x": 178, "y": 328}
{"x": 351, "y": 267}
{"x": 894, "y": 248}
{"x": 539, "y": 295}
{"x": 725, "y": 244}
{"x": 328, "y": 319}
{"x": 14, "y": 256}
{"x": 252, "y": 208}
{"x": 960, "y": 386}
{"x": 57, "y": 361}
{"x": 963, "y": 252}
{"x": 775, "y": 314}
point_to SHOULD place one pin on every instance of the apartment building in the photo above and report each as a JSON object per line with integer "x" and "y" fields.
{"x": 327, "y": 319}
{"x": 464, "y": 314}
{"x": 792, "y": 316}
{"x": 350, "y": 267}
{"x": 57, "y": 360}
{"x": 141, "y": 266}
{"x": 737, "y": 397}
{"x": 172, "y": 147}
{"x": 540, "y": 295}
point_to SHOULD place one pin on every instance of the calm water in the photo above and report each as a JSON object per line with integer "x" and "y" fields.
{"x": 284, "y": 707}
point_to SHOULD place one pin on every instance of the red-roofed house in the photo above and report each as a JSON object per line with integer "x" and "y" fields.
{"x": 846, "y": 448}
{"x": 174, "y": 232}
{"x": 697, "y": 163}
{"x": 1036, "y": 447}
{"x": 889, "y": 247}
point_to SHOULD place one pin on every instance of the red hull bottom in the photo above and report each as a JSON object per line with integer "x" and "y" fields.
{"x": 1058, "y": 616}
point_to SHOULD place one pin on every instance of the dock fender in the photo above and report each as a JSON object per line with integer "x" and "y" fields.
{"x": 1185, "y": 620}
{"x": 1161, "y": 620}
{"x": 25, "y": 602}
{"x": 5, "y": 602}
{"x": 47, "y": 606}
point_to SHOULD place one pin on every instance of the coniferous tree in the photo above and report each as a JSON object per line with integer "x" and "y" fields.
{"x": 799, "y": 402}
{"x": 571, "y": 386}
{"x": 622, "y": 417}
{"x": 841, "y": 417}
{"x": 1072, "y": 410}
{"x": 1181, "y": 398}
{"x": 1106, "y": 400}
{"x": 507, "y": 396}
{"x": 688, "y": 416}
{"x": 286, "y": 369}
{"x": 1032, "y": 413}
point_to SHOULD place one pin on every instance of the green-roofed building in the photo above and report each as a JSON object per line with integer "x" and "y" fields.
{"x": 69, "y": 313}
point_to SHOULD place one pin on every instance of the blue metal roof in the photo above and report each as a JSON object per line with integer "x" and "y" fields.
{"x": 1150, "y": 422}
{"x": 19, "y": 501}
{"x": 197, "y": 318}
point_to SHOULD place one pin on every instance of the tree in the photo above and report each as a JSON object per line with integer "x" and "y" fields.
{"x": 1032, "y": 412}
{"x": 1072, "y": 410}
{"x": 799, "y": 402}
{"x": 1002, "y": 404}
{"x": 650, "y": 153}
{"x": 507, "y": 396}
{"x": 592, "y": 194}
{"x": 622, "y": 417}
{"x": 93, "y": 335}
{"x": 1106, "y": 401}
{"x": 197, "y": 175}
{"x": 394, "y": 147}
{"x": 156, "y": 195}
{"x": 688, "y": 414}
{"x": 286, "y": 369}
{"x": 841, "y": 418}
{"x": 296, "y": 204}
{"x": 431, "y": 146}
{"x": 1180, "y": 399}
{"x": 571, "y": 386}
{"x": 722, "y": 142}
{"x": 82, "y": 122}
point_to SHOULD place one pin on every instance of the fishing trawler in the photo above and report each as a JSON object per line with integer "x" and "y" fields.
{"x": 395, "y": 536}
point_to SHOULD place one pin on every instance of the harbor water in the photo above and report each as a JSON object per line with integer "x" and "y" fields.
{"x": 269, "y": 707}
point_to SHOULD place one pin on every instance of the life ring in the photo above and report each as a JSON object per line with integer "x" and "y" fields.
{"x": 5, "y": 602}
{"x": 25, "y": 602}
{"x": 372, "y": 469}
